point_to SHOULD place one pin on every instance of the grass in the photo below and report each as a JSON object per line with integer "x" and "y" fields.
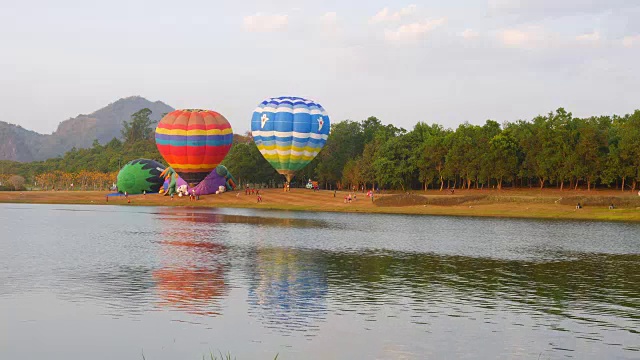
{"x": 212, "y": 356}
{"x": 518, "y": 203}
{"x": 226, "y": 356}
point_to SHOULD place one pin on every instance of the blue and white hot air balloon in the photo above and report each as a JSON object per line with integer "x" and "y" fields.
{"x": 289, "y": 132}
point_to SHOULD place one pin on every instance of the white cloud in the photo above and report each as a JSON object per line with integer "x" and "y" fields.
{"x": 514, "y": 37}
{"x": 538, "y": 37}
{"x": 413, "y": 31}
{"x": 385, "y": 15}
{"x": 530, "y": 37}
{"x": 329, "y": 19}
{"x": 631, "y": 41}
{"x": 469, "y": 34}
{"x": 592, "y": 37}
{"x": 555, "y": 8}
{"x": 329, "y": 26}
{"x": 408, "y": 10}
{"x": 265, "y": 23}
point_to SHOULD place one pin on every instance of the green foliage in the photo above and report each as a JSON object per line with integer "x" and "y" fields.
{"x": 555, "y": 149}
{"x": 248, "y": 166}
{"x": 138, "y": 128}
{"x": 629, "y": 146}
{"x": 394, "y": 164}
{"x": 503, "y": 155}
{"x": 346, "y": 142}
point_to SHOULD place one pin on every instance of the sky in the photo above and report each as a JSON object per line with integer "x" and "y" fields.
{"x": 445, "y": 62}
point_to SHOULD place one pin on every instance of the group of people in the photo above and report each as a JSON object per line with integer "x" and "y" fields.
{"x": 251, "y": 191}
{"x": 611, "y": 206}
{"x": 349, "y": 198}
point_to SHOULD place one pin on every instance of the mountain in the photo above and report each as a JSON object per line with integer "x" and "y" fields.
{"x": 19, "y": 144}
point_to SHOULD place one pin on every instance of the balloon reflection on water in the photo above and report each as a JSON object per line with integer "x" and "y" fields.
{"x": 191, "y": 276}
{"x": 288, "y": 289}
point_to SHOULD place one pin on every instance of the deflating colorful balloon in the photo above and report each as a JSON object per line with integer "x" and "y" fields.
{"x": 209, "y": 185}
{"x": 194, "y": 142}
{"x": 140, "y": 175}
{"x": 218, "y": 177}
{"x": 289, "y": 132}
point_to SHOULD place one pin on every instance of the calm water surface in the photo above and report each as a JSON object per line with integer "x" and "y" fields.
{"x": 103, "y": 282}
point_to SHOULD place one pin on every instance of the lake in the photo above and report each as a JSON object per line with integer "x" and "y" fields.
{"x": 117, "y": 282}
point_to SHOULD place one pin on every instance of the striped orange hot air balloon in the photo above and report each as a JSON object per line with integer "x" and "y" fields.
{"x": 193, "y": 142}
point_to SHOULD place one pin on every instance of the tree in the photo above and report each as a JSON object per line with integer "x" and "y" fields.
{"x": 463, "y": 155}
{"x": 545, "y": 148}
{"x": 504, "y": 157}
{"x": 591, "y": 149}
{"x": 345, "y": 142}
{"x": 630, "y": 147}
{"x": 247, "y": 165}
{"x": 139, "y": 128}
{"x": 393, "y": 165}
{"x": 16, "y": 181}
{"x": 430, "y": 153}
{"x": 352, "y": 173}
{"x": 367, "y": 170}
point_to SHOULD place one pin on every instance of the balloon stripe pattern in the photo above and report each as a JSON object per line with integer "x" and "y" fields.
{"x": 194, "y": 142}
{"x": 289, "y": 132}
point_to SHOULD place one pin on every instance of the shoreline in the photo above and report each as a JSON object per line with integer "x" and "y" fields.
{"x": 519, "y": 203}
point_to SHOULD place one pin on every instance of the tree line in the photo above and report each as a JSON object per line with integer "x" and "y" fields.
{"x": 552, "y": 150}
{"x": 556, "y": 149}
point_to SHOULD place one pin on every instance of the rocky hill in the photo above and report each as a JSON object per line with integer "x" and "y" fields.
{"x": 19, "y": 144}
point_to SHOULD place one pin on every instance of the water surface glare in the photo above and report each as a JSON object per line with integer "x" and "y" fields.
{"x": 113, "y": 282}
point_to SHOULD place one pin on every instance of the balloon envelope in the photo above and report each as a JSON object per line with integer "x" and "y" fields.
{"x": 194, "y": 142}
{"x": 289, "y": 132}
{"x": 140, "y": 175}
{"x": 210, "y": 184}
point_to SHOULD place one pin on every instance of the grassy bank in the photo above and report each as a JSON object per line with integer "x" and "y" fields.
{"x": 545, "y": 204}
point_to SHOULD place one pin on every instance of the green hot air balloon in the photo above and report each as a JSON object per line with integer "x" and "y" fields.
{"x": 140, "y": 175}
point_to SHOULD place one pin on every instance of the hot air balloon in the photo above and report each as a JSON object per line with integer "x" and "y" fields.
{"x": 193, "y": 142}
{"x": 289, "y": 132}
{"x": 140, "y": 175}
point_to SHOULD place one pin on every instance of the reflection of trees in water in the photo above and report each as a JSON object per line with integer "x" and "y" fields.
{"x": 287, "y": 289}
{"x": 124, "y": 289}
{"x": 212, "y": 217}
{"x": 595, "y": 288}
